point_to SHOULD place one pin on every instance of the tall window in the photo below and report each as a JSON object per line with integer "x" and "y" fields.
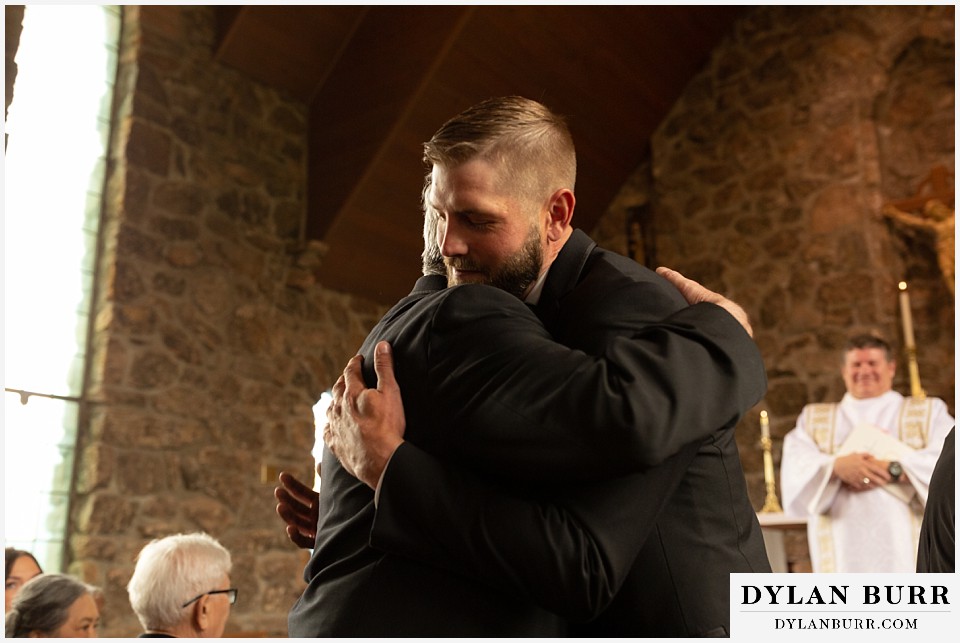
{"x": 58, "y": 129}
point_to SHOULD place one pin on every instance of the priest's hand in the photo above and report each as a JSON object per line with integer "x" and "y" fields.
{"x": 299, "y": 507}
{"x": 365, "y": 426}
{"x": 861, "y": 471}
{"x": 694, "y": 292}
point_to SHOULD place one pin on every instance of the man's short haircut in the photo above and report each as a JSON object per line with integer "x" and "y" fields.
{"x": 532, "y": 145}
{"x": 868, "y": 340}
{"x": 43, "y": 604}
{"x": 169, "y": 572}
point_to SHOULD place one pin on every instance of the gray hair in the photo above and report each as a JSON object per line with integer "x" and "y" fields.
{"x": 169, "y": 572}
{"x": 432, "y": 259}
{"x": 43, "y": 604}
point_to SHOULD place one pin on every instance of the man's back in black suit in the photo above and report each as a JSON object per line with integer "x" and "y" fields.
{"x": 476, "y": 359}
{"x": 708, "y": 529}
{"x": 679, "y": 582}
{"x": 501, "y": 187}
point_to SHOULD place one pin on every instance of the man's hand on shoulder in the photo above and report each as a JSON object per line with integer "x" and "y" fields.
{"x": 695, "y": 293}
{"x": 365, "y": 426}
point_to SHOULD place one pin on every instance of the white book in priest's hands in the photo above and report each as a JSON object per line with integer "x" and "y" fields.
{"x": 867, "y": 438}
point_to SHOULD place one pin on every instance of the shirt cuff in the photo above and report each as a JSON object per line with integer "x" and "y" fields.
{"x": 376, "y": 492}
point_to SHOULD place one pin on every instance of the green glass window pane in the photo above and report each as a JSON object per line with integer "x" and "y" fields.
{"x": 50, "y": 244}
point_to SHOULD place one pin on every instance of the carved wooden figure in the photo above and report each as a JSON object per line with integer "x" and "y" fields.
{"x": 936, "y": 217}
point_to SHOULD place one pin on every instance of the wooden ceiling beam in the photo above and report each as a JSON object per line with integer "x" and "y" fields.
{"x": 291, "y": 48}
{"x": 378, "y": 80}
{"x": 366, "y": 98}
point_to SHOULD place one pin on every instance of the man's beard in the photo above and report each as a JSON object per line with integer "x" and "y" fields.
{"x": 514, "y": 276}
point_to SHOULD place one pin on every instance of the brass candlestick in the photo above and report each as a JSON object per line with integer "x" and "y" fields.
{"x": 910, "y": 344}
{"x": 770, "y": 504}
{"x": 916, "y": 391}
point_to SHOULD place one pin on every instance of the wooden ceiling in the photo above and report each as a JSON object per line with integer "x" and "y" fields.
{"x": 379, "y": 80}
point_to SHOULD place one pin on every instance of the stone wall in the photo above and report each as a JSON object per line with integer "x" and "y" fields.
{"x": 767, "y": 181}
{"x": 13, "y": 27}
{"x": 212, "y": 344}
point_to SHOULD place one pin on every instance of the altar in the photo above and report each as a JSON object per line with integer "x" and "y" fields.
{"x": 785, "y": 538}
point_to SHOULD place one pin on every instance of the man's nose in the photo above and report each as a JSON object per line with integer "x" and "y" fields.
{"x": 451, "y": 239}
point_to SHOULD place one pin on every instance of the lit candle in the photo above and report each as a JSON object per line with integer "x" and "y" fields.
{"x": 764, "y": 426}
{"x": 906, "y": 317}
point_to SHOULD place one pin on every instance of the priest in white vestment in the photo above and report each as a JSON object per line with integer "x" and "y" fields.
{"x": 859, "y": 470}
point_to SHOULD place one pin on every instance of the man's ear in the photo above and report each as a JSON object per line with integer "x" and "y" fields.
{"x": 201, "y": 614}
{"x": 560, "y": 212}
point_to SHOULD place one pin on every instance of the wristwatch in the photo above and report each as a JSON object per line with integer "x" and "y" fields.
{"x": 895, "y": 470}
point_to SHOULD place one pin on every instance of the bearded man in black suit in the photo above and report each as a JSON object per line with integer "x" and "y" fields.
{"x": 495, "y": 485}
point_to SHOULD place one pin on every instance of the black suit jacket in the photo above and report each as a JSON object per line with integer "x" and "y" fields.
{"x": 936, "y": 549}
{"x": 708, "y": 529}
{"x": 469, "y": 359}
{"x": 679, "y": 584}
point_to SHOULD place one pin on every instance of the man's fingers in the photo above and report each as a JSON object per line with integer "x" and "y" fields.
{"x": 292, "y": 516}
{"x": 290, "y": 484}
{"x": 667, "y": 273}
{"x": 336, "y": 393}
{"x": 338, "y": 387}
{"x": 353, "y": 382}
{"x": 681, "y": 283}
{"x": 329, "y": 439}
{"x": 383, "y": 365}
{"x": 691, "y": 290}
{"x": 301, "y": 529}
{"x": 303, "y": 541}
{"x": 695, "y": 292}
{"x": 334, "y": 408}
{"x": 671, "y": 275}
{"x": 877, "y": 473}
{"x": 290, "y": 506}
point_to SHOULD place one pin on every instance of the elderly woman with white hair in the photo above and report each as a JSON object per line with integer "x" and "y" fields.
{"x": 53, "y": 605}
{"x": 181, "y": 587}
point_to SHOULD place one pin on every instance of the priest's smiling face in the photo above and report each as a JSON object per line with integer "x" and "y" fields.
{"x": 867, "y": 372}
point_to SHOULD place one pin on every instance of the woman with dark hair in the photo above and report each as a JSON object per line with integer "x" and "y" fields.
{"x": 20, "y": 566}
{"x": 53, "y": 605}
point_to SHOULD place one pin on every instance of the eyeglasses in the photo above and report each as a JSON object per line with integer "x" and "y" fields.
{"x": 231, "y": 595}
